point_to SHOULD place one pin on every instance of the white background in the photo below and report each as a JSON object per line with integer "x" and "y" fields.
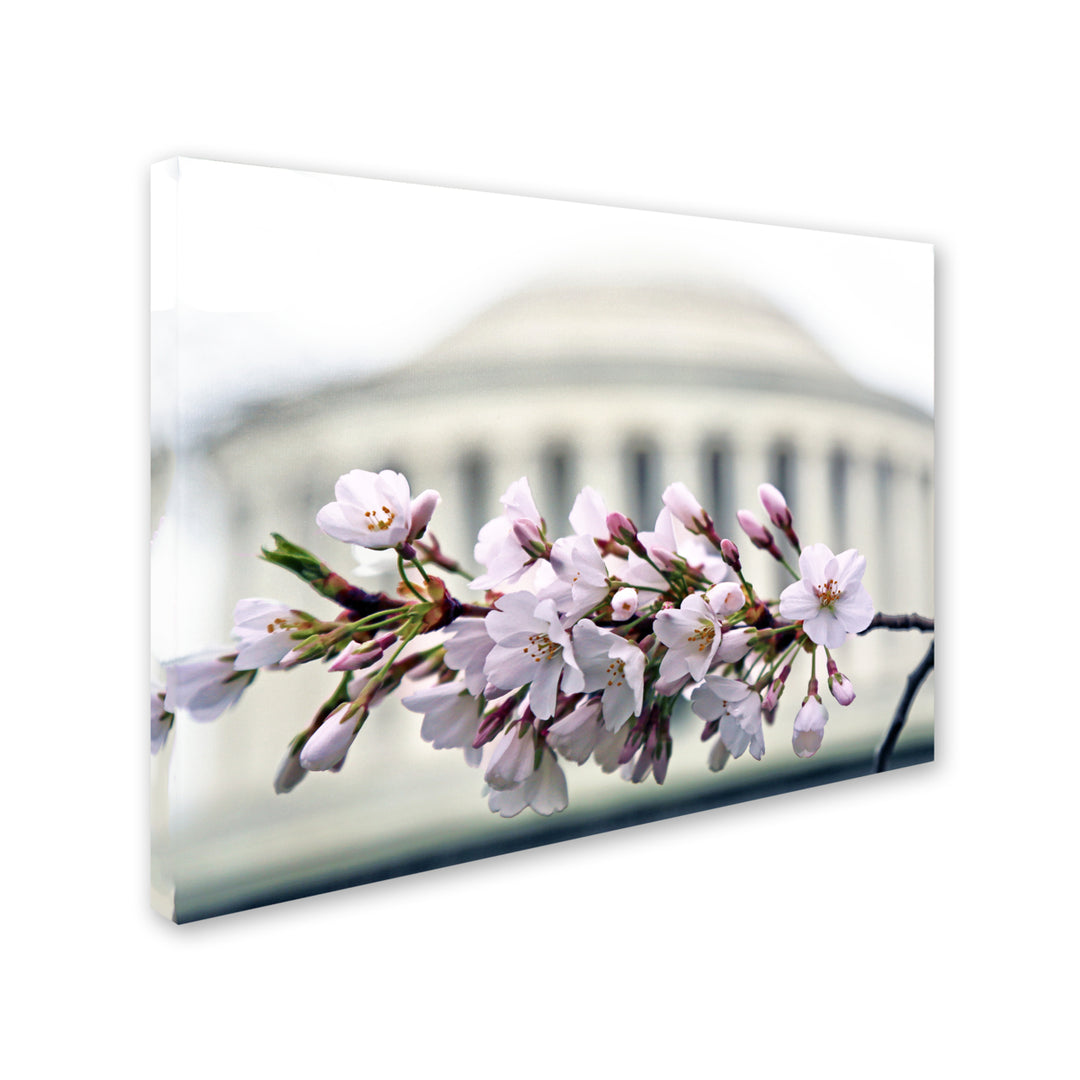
{"x": 921, "y": 922}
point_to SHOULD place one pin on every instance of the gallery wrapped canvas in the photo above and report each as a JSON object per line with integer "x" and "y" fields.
{"x": 484, "y": 521}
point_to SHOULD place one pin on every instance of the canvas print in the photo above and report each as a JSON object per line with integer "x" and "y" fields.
{"x": 481, "y": 521}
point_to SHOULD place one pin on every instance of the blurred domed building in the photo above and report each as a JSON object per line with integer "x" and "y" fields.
{"x": 625, "y": 385}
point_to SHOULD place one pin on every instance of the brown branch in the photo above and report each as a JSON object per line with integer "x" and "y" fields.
{"x": 914, "y": 681}
{"x": 899, "y": 622}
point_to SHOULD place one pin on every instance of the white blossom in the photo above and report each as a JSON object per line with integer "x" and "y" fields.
{"x": 544, "y": 791}
{"x": 531, "y": 647}
{"x": 575, "y": 736}
{"x": 588, "y": 517}
{"x": 467, "y": 646}
{"x": 809, "y": 728}
{"x": 205, "y": 685}
{"x": 725, "y": 598}
{"x": 372, "y": 510}
{"x": 451, "y": 718}
{"x": 513, "y": 757}
{"x": 609, "y": 747}
{"x": 497, "y": 548}
{"x": 738, "y": 708}
{"x": 614, "y": 665}
{"x": 670, "y": 538}
{"x": 734, "y": 645}
{"x": 692, "y": 635}
{"x": 263, "y": 630}
{"x": 829, "y": 598}
{"x": 581, "y": 576}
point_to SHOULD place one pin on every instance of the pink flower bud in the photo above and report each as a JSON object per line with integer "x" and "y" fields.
{"x": 841, "y": 688}
{"x": 357, "y": 656}
{"x": 665, "y": 558}
{"x": 623, "y": 604}
{"x": 527, "y": 534}
{"x": 423, "y": 506}
{"x": 772, "y": 696}
{"x": 730, "y": 554}
{"x": 775, "y": 506}
{"x": 684, "y": 507}
{"x": 759, "y": 535}
{"x": 809, "y": 728}
{"x": 330, "y": 742}
{"x": 622, "y": 529}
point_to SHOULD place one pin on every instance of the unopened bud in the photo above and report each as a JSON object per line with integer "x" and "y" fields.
{"x": 730, "y": 554}
{"x": 759, "y": 535}
{"x": 358, "y": 655}
{"x": 841, "y": 688}
{"x": 775, "y": 506}
{"x": 663, "y": 557}
{"x": 685, "y": 507}
{"x": 527, "y": 534}
{"x": 330, "y": 742}
{"x": 625, "y": 531}
{"x": 772, "y": 697}
{"x": 423, "y": 506}
{"x": 623, "y": 604}
{"x": 491, "y": 723}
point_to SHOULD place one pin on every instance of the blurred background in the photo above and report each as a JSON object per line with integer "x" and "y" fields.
{"x": 304, "y": 325}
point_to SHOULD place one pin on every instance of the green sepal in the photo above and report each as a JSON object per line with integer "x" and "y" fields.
{"x": 295, "y": 559}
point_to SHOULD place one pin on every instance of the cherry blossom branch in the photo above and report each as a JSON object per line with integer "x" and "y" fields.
{"x": 899, "y": 622}
{"x": 592, "y": 668}
{"x": 914, "y": 681}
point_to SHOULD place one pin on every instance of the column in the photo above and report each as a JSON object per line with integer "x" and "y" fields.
{"x": 680, "y": 460}
{"x": 863, "y": 533}
{"x": 908, "y": 545}
{"x": 814, "y": 517}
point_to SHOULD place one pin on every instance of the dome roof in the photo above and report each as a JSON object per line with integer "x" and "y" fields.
{"x": 601, "y": 329}
{"x": 669, "y": 322}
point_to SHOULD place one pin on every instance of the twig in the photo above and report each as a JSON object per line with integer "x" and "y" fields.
{"x": 899, "y": 622}
{"x": 914, "y": 681}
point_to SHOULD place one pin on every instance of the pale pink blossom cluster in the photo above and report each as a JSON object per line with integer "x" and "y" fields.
{"x": 579, "y": 646}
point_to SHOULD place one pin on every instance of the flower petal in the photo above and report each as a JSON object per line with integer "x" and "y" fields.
{"x": 825, "y": 628}
{"x": 798, "y": 601}
{"x": 812, "y": 562}
{"x": 855, "y": 610}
